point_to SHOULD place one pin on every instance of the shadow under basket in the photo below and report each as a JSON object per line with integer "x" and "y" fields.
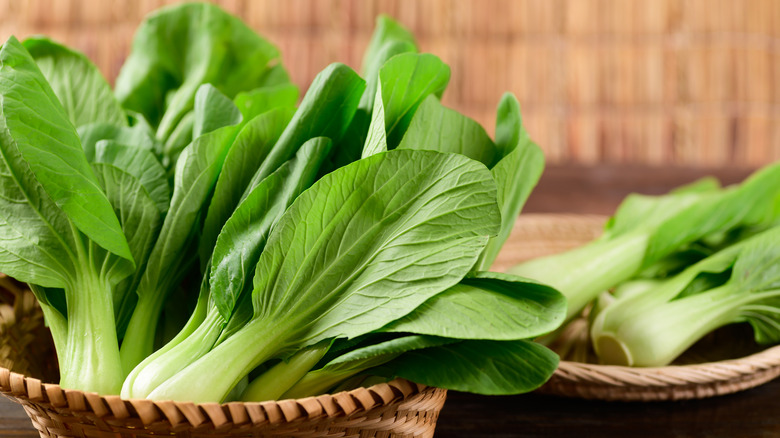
{"x": 397, "y": 409}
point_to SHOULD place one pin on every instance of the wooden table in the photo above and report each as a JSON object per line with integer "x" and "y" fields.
{"x": 591, "y": 190}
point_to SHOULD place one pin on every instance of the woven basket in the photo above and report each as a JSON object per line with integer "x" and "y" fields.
{"x": 397, "y": 409}
{"x": 700, "y": 376}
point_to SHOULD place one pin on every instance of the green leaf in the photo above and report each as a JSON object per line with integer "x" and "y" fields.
{"x": 481, "y": 367}
{"x": 407, "y": 79}
{"x": 647, "y": 229}
{"x": 177, "y": 49}
{"x": 509, "y": 125}
{"x": 332, "y": 265}
{"x": 196, "y": 173}
{"x": 755, "y": 201}
{"x": 33, "y": 119}
{"x": 353, "y": 362}
{"x": 376, "y": 141}
{"x": 371, "y": 73}
{"x": 52, "y": 302}
{"x": 244, "y": 235}
{"x": 249, "y": 150}
{"x": 180, "y": 138}
{"x": 487, "y": 305}
{"x": 35, "y": 235}
{"x": 387, "y": 32}
{"x": 260, "y": 100}
{"x": 762, "y": 317}
{"x": 758, "y": 265}
{"x": 138, "y": 215}
{"x": 651, "y": 326}
{"x": 212, "y": 110}
{"x": 137, "y": 136}
{"x": 640, "y": 212}
{"x": 516, "y": 176}
{"x": 141, "y": 164}
{"x": 326, "y": 111}
{"x": 80, "y": 87}
{"x": 274, "y": 76}
{"x": 366, "y": 238}
{"x": 389, "y": 39}
{"x": 517, "y": 172}
{"x": 385, "y": 350}
{"x": 435, "y": 127}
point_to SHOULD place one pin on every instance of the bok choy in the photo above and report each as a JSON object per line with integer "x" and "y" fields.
{"x": 199, "y": 220}
{"x": 653, "y": 326}
{"x": 646, "y": 229}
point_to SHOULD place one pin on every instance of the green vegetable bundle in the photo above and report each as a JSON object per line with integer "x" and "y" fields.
{"x": 676, "y": 267}
{"x": 200, "y": 220}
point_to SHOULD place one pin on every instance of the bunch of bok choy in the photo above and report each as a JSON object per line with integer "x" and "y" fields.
{"x": 199, "y": 220}
{"x": 669, "y": 270}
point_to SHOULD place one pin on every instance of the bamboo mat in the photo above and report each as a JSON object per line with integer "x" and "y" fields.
{"x": 686, "y": 82}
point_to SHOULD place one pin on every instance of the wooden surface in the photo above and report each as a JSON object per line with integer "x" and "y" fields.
{"x": 592, "y": 190}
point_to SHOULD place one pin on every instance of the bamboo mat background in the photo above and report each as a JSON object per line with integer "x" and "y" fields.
{"x": 683, "y": 82}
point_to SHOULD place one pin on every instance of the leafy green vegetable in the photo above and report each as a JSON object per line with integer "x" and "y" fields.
{"x": 519, "y": 167}
{"x": 407, "y": 79}
{"x": 236, "y": 252}
{"x": 78, "y": 84}
{"x": 273, "y": 382}
{"x": 229, "y": 252}
{"x": 106, "y": 204}
{"x": 61, "y": 167}
{"x": 59, "y": 229}
{"x": 376, "y": 140}
{"x": 326, "y": 111}
{"x": 248, "y": 152}
{"x": 137, "y": 136}
{"x": 213, "y": 110}
{"x": 389, "y": 39}
{"x": 652, "y": 326}
{"x": 357, "y": 232}
{"x": 160, "y": 79}
{"x": 520, "y": 309}
{"x": 260, "y": 100}
{"x": 646, "y": 229}
{"x": 442, "y": 129}
{"x": 196, "y": 173}
{"x": 483, "y": 367}
{"x": 140, "y": 218}
{"x": 346, "y": 365}
{"x": 140, "y": 163}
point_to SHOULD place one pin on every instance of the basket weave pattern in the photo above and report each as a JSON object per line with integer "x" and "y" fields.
{"x": 397, "y": 409}
{"x": 23, "y": 335}
{"x": 605, "y": 382}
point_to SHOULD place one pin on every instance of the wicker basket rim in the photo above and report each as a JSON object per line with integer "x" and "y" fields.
{"x": 623, "y": 383}
{"x": 672, "y": 382}
{"x": 189, "y": 414}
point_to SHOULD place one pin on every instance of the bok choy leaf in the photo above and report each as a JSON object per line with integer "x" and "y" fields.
{"x": 651, "y": 327}
{"x": 58, "y": 227}
{"x": 356, "y": 233}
